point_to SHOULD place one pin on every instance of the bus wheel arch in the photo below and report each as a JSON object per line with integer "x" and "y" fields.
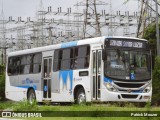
{"x": 31, "y": 96}
{"x": 79, "y": 94}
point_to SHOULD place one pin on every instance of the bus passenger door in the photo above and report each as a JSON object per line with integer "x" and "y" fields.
{"x": 47, "y": 70}
{"x": 96, "y": 74}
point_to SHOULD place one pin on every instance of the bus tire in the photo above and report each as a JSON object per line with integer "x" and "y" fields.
{"x": 80, "y": 96}
{"x": 31, "y": 96}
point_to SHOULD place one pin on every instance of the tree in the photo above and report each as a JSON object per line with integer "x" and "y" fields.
{"x": 156, "y": 82}
{"x": 150, "y": 35}
{"x": 2, "y": 83}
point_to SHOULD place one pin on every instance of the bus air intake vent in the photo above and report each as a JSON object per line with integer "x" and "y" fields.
{"x": 129, "y": 96}
{"x": 129, "y": 85}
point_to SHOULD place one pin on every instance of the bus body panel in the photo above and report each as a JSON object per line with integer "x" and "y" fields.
{"x": 66, "y": 84}
{"x": 15, "y": 93}
{"x": 84, "y": 81}
{"x": 19, "y": 86}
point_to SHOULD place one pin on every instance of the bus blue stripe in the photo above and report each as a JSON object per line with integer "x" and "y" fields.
{"x": 69, "y": 44}
{"x": 27, "y": 86}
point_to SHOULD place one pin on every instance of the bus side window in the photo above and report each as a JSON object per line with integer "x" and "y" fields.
{"x": 45, "y": 69}
{"x": 10, "y": 68}
{"x": 87, "y": 57}
{"x": 25, "y": 64}
{"x": 71, "y": 58}
{"x": 36, "y": 63}
{"x": 57, "y": 60}
{"x": 83, "y": 57}
{"x": 13, "y": 66}
{"x": 66, "y": 61}
{"x": 74, "y": 58}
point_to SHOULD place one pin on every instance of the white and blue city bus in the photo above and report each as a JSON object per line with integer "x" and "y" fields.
{"x": 94, "y": 69}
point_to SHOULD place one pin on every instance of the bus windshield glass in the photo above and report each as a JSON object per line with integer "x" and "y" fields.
{"x": 128, "y": 64}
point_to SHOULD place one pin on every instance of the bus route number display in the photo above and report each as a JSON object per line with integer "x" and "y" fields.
{"x": 121, "y": 43}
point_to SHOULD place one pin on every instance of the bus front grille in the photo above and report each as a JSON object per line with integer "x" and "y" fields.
{"x": 129, "y": 96}
{"x": 130, "y": 91}
{"x": 129, "y": 85}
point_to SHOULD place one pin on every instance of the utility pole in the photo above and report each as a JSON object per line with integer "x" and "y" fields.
{"x": 41, "y": 20}
{"x": 91, "y": 18}
{"x": 110, "y": 26}
{"x": 91, "y": 9}
{"x": 3, "y": 36}
{"x": 157, "y": 29}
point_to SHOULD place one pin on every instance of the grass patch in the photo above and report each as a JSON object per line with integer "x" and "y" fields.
{"x": 94, "y": 118}
{"x": 25, "y": 106}
{"x": 7, "y": 105}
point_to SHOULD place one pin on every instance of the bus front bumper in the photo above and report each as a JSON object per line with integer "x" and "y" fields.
{"x": 124, "y": 96}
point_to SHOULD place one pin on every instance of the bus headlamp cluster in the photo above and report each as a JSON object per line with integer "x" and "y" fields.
{"x": 147, "y": 89}
{"x": 110, "y": 87}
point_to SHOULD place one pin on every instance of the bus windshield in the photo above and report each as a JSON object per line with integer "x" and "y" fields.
{"x": 128, "y": 64}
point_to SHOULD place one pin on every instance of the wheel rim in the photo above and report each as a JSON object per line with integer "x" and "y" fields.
{"x": 81, "y": 98}
{"x": 31, "y": 98}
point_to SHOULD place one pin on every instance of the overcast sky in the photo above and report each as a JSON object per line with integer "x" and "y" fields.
{"x": 28, "y": 8}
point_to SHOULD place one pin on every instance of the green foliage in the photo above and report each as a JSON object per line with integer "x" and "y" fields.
{"x": 2, "y": 69}
{"x": 2, "y": 87}
{"x": 150, "y": 35}
{"x": 129, "y": 105}
{"x": 6, "y": 105}
{"x": 26, "y": 106}
{"x": 148, "y": 106}
{"x": 156, "y": 83}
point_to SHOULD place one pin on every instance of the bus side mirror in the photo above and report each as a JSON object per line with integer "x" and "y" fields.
{"x": 104, "y": 56}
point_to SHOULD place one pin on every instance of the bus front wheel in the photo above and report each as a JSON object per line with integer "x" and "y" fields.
{"x": 31, "y": 96}
{"x": 81, "y": 97}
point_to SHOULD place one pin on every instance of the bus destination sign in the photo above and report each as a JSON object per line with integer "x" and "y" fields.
{"x": 124, "y": 43}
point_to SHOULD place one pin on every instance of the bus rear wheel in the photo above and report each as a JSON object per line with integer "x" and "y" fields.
{"x": 81, "y": 97}
{"x": 31, "y": 96}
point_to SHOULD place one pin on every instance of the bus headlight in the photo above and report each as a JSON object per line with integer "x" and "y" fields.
{"x": 110, "y": 87}
{"x": 147, "y": 89}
